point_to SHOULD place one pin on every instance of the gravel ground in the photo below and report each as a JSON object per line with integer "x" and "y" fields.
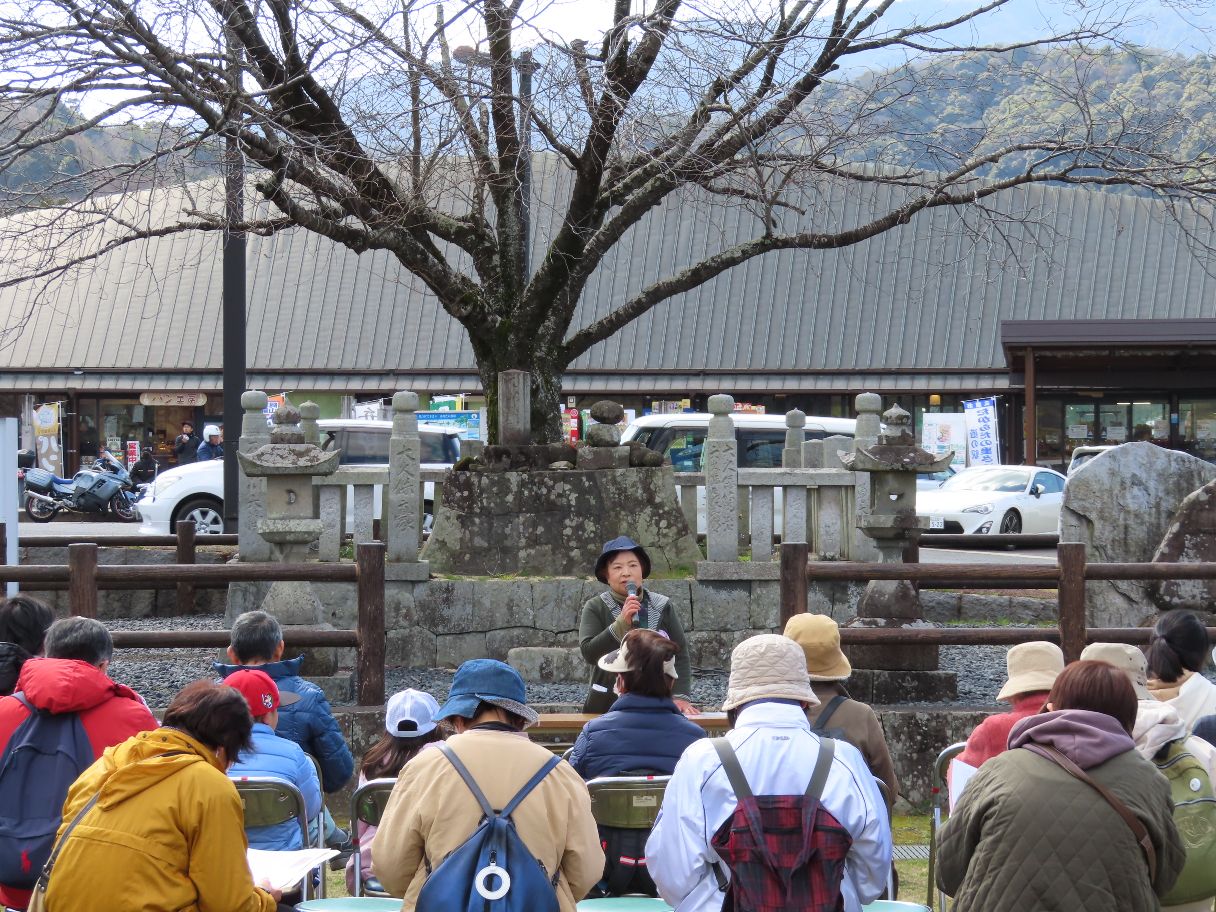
{"x": 158, "y": 675}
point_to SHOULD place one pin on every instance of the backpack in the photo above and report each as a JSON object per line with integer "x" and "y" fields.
{"x": 1195, "y": 817}
{"x": 44, "y": 756}
{"x": 785, "y": 853}
{"x": 492, "y": 871}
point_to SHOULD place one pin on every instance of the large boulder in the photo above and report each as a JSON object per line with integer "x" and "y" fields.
{"x": 1120, "y": 505}
{"x": 1191, "y": 538}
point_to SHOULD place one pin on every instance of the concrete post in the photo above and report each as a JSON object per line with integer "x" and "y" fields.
{"x": 404, "y": 490}
{"x": 834, "y": 524}
{"x": 722, "y": 482}
{"x": 795, "y": 434}
{"x": 869, "y": 426}
{"x": 309, "y": 413}
{"x": 514, "y": 408}
{"x": 252, "y": 494}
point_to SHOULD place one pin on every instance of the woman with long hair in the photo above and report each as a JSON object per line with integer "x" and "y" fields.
{"x": 409, "y": 727}
{"x": 1177, "y": 651}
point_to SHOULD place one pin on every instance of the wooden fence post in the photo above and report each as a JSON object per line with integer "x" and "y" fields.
{"x": 1071, "y": 558}
{"x": 185, "y": 555}
{"x": 82, "y": 579}
{"x": 369, "y": 561}
{"x": 794, "y": 557}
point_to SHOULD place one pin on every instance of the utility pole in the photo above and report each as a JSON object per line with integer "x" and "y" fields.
{"x": 234, "y": 294}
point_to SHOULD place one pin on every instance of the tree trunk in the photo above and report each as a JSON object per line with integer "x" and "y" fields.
{"x": 546, "y": 392}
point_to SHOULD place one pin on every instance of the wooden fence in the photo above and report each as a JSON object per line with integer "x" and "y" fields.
{"x": 1067, "y": 577}
{"x": 83, "y": 577}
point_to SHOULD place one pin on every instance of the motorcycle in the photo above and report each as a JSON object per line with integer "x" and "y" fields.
{"x": 106, "y": 487}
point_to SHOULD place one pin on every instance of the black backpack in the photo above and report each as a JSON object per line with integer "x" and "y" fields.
{"x": 45, "y": 755}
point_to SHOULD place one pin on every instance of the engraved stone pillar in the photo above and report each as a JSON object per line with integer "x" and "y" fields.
{"x": 514, "y": 408}
{"x": 402, "y": 519}
{"x": 869, "y": 426}
{"x": 721, "y": 482}
{"x": 795, "y": 435}
{"x": 252, "y": 495}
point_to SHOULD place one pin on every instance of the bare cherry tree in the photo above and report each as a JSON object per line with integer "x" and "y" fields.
{"x": 415, "y": 128}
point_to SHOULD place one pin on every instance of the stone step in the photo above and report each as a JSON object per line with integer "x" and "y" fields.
{"x": 549, "y": 664}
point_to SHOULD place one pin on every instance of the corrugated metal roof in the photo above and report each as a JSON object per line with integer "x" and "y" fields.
{"x": 926, "y": 297}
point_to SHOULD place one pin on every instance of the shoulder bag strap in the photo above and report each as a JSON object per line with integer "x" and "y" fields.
{"x": 468, "y": 779}
{"x": 1139, "y": 831}
{"x": 45, "y": 876}
{"x": 734, "y": 772}
{"x": 823, "y": 766}
{"x": 822, "y": 719}
{"x": 531, "y": 784}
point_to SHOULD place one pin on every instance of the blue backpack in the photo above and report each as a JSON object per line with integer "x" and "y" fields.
{"x": 43, "y": 758}
{"x": 493, "y": 871}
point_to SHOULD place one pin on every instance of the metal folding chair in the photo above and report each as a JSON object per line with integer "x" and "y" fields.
{"x": 270, "y": 802}
{"x": 367, "y": 807}
{"x": 938, "y": 794}
{"x": 628, "y": 802}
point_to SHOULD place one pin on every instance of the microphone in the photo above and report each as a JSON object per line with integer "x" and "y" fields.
{"x": 641, "y": 619}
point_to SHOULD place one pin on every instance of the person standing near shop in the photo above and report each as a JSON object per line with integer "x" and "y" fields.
{"x": 212, "y": 446}
{"x": 185, "y": 444}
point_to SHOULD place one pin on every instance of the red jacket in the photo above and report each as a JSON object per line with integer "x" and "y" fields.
{"x": 110, "y": 713}
{"x": 991, "y": 737}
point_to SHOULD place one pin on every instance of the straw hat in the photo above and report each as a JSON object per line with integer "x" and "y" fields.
{"x": 1033, "y": 667}
{"x": 819, "y": 637}
{"x": 769, "y": 666}
{"x": 1125, "y": 657}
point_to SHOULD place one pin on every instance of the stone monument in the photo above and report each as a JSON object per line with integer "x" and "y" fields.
{"x": 288, "y": 463}
{"x": 892, "y": 465}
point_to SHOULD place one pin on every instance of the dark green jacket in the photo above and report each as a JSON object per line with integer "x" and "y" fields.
{"x": 599, "y": 633}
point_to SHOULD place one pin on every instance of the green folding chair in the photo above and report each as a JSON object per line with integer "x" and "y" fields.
{"x": 367, "y": 807}
{"x": 270, "y": 802}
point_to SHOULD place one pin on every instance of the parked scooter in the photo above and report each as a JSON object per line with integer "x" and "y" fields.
{"x": 107, "y": 487}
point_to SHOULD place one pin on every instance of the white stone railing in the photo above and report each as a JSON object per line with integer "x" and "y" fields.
{"x": 352, "y": 500}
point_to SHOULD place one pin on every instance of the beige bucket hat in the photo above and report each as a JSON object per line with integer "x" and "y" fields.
{"x": 768, "y": 666}
{"x": 1032, "y": 667}
{"x": 1127, "y": 658}
{"x": 819, "y": 637}
{"x": 619, "y": 660}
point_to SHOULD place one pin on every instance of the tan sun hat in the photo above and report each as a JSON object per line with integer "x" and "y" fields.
{"x": 1032, "y": 667}
{"x": 819, "y": 637}
{"x": 768, "y": 666}
{"x": 618, "y": 661}
{"x": 1125, "y": 657}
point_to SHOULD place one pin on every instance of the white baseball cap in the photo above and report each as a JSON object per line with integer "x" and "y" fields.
{"x": 410, "y": 714}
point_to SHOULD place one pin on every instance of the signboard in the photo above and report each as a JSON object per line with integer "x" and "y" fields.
{"x": 570, "y": 424}
{"x": 467, "y": 422}
{"x": 448, "y": 403}
{"x": 943, "y": 432}
{"x": 48, "y": 440}
{"x": 368, "y": 411}
{"x": 132, "y": 453}
{"x": 273, "y": 404}
{"x": 187, "y": 400}
{"x": 983, "y": 440}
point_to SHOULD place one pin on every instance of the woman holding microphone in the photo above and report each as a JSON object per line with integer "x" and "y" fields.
{"x": 623, "y": 566}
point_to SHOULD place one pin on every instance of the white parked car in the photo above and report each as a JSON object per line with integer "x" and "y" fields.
{"x": 196, "y": 491}
{"x": 1083, "y": 454}
{"x": 934, "y": 480}
{"x": 760, "y": 438}
{"x": 995, "y": 500}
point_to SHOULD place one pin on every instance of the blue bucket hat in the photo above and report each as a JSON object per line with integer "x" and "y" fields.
{"x": 487, "y": 681}
{"x": 623, "y": 543}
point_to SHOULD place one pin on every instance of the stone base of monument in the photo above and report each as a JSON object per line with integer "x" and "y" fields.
{"x": 554, "y": 522}
{"x": 894, "y": 688}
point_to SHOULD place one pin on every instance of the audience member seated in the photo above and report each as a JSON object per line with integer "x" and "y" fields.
{"x": 256, "y": 641}
{"x": 700, "y": 845}
{"x": 1032, "y": 668}
{"x": 167, "y": 829}
{"x": 836, "y": 714}
{"x": 644, "y": 731}
{"x": 409, "y": 726}
{"x": 1177, "y": 652}
{"x": 275, "y": 758}
{"x": 432, "y": 811}
{"x": 1028, "y": 834}
{"x": 71, "y": 680}
{"x": 23, "y": 624}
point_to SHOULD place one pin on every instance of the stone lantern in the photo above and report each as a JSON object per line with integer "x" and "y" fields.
{"x": 891, "y": 521}
{"x": 290, "y": 524}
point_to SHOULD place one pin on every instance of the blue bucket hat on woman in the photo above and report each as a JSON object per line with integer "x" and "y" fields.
{"x": 617, "y": 545}
{"x": 487, "y": 681}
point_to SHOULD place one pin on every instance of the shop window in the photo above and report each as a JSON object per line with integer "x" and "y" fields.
{"x": 1197, "y": 427}
{"x": 1049, "y": 428}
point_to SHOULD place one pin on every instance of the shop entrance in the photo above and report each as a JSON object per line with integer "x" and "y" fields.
{"x": 123, "y": 425}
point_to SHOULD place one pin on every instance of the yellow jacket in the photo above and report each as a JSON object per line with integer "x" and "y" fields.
{"x": 431, "y": 812}
{"x": 166, "y": 835}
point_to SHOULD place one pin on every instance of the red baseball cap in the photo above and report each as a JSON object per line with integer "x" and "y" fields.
{"x": 259, "y": 691}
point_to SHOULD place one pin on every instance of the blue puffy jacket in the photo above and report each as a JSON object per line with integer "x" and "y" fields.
{"x": 640, "y": 733}
{"x": 279, "y": 758}
{"x": 309, "y": 722}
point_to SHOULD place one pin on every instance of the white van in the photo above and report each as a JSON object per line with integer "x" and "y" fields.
{"x": 761, "y": 438}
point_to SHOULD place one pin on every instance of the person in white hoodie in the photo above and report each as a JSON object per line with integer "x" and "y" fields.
{"x": 766, "y": 700}
{"x": 1157, "y": 724}
{"x": 1177, "y": 652}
